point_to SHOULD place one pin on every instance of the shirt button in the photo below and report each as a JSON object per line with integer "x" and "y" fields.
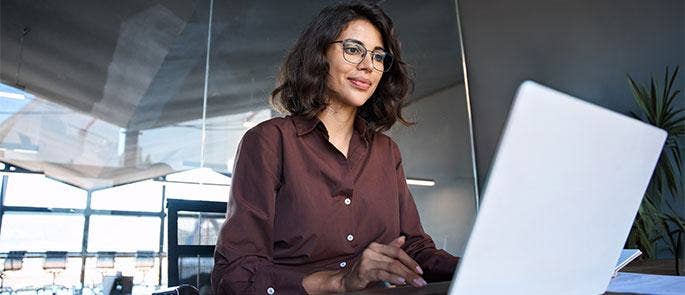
{"x": 343, "y": 264}
{"x": 348, "y": 201}
{"x": 270, "y": 291}
{"x": 350, "y": 238}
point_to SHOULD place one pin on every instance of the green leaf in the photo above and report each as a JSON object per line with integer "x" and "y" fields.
{"x": 656, "y": 219}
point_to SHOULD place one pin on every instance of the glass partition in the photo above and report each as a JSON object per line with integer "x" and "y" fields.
{"x": 124, "y": 105}
{"x": 437, "y": 151}
{"x": 109, "y": 95}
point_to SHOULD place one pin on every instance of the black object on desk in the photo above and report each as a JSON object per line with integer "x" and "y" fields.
{"x": 178, "y": 290}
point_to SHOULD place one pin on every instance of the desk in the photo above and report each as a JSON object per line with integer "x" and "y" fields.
{"x": 647, "y": 284}
{"x": 624, "y": 283}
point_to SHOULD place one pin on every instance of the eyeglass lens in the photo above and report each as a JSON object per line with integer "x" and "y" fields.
{"x": 355, "y": 53}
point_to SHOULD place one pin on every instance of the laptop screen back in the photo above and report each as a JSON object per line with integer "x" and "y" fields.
{"x": 563, "y": 190}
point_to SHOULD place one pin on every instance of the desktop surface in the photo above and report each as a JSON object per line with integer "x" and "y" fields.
{"x": 439, "y": 288}
{"x": 623, "y": 284}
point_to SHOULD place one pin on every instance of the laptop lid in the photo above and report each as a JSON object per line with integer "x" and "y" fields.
{"x": 561, "y": 196}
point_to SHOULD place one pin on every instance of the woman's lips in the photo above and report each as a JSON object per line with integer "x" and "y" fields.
{"x": 359, "y": 83}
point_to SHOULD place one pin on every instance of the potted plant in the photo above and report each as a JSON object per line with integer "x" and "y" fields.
{"x": 656, "y": 219}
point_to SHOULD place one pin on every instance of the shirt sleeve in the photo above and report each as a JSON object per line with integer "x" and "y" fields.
{"x": 243, "y": 257}
{"x": 437, "y": 264}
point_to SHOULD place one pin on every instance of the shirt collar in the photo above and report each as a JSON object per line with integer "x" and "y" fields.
{"x": 305, "y": 125}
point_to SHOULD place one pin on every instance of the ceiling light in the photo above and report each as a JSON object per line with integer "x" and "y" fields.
{"x": 12, "y": 95}
{"x": 420, "y": 182}
{"x": 25, "y": 151}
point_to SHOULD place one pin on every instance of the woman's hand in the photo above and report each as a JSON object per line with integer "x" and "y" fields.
{"x": 381, "y": 262}
{"x": 378, "y": 262}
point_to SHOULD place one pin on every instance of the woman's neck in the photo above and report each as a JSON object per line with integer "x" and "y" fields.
{"x": 339, "y": 122}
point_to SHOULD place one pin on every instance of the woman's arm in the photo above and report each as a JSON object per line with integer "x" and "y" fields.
{"x": 244, "y": 250}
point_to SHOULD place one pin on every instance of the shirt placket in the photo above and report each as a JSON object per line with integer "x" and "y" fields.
{"x": 347, "y": 199}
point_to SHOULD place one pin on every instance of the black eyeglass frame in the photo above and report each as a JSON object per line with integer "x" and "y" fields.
{"x": 386, "y": 55}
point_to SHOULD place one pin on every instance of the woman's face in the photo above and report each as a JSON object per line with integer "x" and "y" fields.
{"x": 349, "y": 83}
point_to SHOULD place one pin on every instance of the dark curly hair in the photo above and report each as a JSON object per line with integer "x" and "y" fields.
{"x": 303, "y": 75}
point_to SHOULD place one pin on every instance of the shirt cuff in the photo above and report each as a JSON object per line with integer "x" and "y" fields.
{"x": 437, "y": 265}
{"x": 279, "y": 280}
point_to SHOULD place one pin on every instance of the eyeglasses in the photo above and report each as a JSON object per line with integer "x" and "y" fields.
{"x": 354, "y": 52}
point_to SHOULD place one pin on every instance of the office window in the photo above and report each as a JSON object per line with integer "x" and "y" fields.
{"x": 192, "y": 270}
{"x": 123, "y": 233}
{"x": 140, "y": 196}
{"x": 199, "y": 228}
{"x": 143, "y": 272}
{"x": 38, "y": 232}
{"x": 32, "y": 275}
{"x": 36, "y": 190}
{"x": 197, "y": 192}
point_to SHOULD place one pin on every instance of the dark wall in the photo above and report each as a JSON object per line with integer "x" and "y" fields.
{"x": 584, "y": 48}
{"x": 438, "y": 148}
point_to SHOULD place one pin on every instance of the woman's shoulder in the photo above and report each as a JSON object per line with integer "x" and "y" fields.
{"x": 387, "y": 146}
{"x": 382, "y": 139}
{"x": 274, "y": 127}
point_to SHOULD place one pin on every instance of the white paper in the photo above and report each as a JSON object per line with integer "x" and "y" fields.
{"x": 647, "y": 284}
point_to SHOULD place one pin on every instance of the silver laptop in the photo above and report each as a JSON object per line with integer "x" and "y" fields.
{"x": 561, "y": 196}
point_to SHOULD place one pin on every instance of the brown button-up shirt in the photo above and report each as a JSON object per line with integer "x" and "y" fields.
{"x": 298, "y": 206}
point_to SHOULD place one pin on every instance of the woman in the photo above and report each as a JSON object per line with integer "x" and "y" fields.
{"x": 319, "y": 201}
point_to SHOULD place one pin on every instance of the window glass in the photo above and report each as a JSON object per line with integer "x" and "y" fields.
{"x": 123, "y": 233}
{"x": 38, "y": 232}
{"x": 190, "y": 267}
{"x": 199, "y": 228}
{"x": 217, "y": 193}
{"x": 139, "y": 196}
{"x": 36, "y": 190}
{"x": 142, "y": 273}
{"x": 32, "y": 275}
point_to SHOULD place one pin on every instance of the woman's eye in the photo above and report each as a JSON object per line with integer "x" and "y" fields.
{"x": 352, "y": 50}
{"x": 378, "y": 56}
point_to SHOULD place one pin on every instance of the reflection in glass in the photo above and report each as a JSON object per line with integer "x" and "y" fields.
{"x": 80, "y": 96}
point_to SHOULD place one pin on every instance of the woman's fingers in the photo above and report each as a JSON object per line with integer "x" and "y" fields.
{"x": 380, "y": 262}
{"x": 398, "y": 242}
{"x": 377, "y": 260}
{"x": 382, "y": 275}
{"x": 397, "y": 253}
